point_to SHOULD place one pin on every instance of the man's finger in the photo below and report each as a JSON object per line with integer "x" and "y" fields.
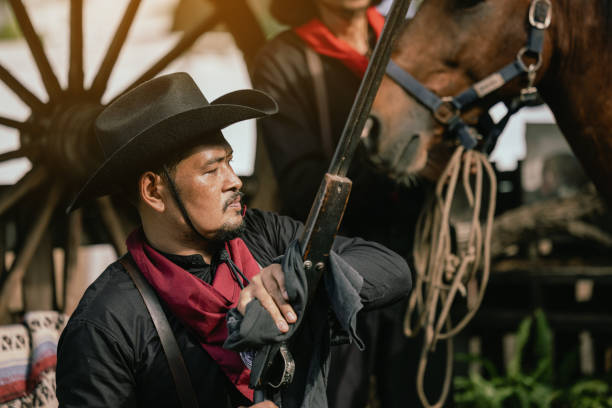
{"x": 245, "y": 298}
{"x": 270, "y": 305}
{"x": 285, "y": 307}
{"x": 279, "y": 276}
{"x": 271, "y": 283}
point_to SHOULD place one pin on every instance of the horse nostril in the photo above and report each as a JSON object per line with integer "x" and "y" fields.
{"x": 370, "y": 134}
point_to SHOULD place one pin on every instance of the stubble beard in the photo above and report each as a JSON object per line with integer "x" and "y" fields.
{"x": 229, "y": 231}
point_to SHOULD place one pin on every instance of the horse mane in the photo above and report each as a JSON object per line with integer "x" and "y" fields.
{"x": 602, "y": 10}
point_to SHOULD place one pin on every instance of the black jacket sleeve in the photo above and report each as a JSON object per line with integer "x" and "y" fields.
{"x": 386, "y": 276}
{"x": 93, "y": 369}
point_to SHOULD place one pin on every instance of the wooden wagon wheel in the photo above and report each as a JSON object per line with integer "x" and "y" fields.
{"x": 57, "y": 137}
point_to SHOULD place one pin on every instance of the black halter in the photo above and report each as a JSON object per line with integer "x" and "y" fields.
{"x": 447, "y": 110}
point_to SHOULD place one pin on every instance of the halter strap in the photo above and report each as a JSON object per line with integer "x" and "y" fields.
{"x": 447, "y": 110}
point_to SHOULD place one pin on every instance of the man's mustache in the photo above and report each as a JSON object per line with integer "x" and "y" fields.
{"x": 238, "y": 194}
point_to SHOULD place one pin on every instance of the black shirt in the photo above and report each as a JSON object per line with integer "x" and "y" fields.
{"x": 194, "y": 264}
{"x": 109, "y": 355}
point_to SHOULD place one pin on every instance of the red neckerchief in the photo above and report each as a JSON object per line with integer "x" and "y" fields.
{"x": 318, "y": 37}
{"x": 200, "y": 306}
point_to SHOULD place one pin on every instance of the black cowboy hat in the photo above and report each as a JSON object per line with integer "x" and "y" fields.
{"x": 158, "y": 118}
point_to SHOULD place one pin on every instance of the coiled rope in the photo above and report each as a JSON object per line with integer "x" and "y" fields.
{"x": 444, "y": 269}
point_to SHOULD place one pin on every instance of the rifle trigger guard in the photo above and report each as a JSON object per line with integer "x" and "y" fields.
{"x": 288, "y": 367}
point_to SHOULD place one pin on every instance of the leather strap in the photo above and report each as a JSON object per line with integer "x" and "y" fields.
{"x": 315, "y": 67}
{"x": 168, "y": 342}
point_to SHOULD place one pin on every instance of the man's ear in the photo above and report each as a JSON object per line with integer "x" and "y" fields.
{"x": 150, "y": 186}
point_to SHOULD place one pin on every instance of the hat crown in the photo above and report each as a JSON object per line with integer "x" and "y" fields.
{"x": 145, "y": 106}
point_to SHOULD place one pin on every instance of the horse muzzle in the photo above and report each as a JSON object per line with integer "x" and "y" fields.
{"x": 394, "y": 156}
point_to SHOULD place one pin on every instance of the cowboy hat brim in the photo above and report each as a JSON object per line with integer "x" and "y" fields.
{"x": 170, "y": 135}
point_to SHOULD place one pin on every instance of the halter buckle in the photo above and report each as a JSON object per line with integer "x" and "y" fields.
{"x": 540, "y": 14}
{"x": 446, "y": 111}
{"x": 529, "y": 94}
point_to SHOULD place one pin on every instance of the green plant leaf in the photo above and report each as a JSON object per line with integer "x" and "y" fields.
{"x": 596, "y": 387}
{"x": 536, "y": 389}
{"x": 543, "y": 348}
{"x": 488, "y": 366}
{"x": 542, "y": 396}
{"x": 522, "y": 336}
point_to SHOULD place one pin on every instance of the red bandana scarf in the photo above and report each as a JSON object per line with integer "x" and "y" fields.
{"x": 200, "y": 306}
{"x": 318, "y": 37}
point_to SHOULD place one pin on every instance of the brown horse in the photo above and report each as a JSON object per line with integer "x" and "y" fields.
{"x": 452, "y": 44}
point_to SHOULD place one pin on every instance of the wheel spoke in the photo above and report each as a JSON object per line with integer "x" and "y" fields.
{"x": 73, "y": 240}
{"x": 21, "y": 91}
{"x": 15, "y": 124}
{"x": 75, "y": 72}
{"x": 100, "y": 82}
{"x": 111, "y": 221}
{"x": 10, "y": 281}
{"x": 42, "y": 62}
{"x": 27, "y": 183}
{"x": 15, "y": 154}
{"x": 184, "y": 43}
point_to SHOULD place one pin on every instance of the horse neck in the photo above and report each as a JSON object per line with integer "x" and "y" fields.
{"x": 578, "y": 85}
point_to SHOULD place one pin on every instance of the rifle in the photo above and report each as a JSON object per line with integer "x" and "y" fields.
{"x": 332, "y": 197}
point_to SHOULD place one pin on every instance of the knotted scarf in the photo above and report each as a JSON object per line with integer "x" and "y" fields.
{"x": 200, "y": 306}
{"x": 318, "y": 37}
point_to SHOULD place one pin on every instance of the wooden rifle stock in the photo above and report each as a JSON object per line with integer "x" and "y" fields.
{"x": 322, "y": 226}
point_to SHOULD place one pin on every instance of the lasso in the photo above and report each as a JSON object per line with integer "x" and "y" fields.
{"x": 443, "y": 271}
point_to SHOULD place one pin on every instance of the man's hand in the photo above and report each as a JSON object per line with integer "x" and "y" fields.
{"x": 269, "y": 288}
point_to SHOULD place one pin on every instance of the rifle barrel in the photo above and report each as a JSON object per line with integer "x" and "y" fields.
{"x": 349, "y": 139}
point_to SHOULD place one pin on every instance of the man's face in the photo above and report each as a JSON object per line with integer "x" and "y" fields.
{"x": 210, "y": 190}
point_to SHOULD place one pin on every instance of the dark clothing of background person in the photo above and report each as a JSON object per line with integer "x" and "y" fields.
{"x": 109, "y": 355}
{"x": 378, "y": 209}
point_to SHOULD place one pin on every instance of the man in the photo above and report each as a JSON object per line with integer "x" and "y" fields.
{"x": 198, "y": 249}
{"x": 300, "y": 140}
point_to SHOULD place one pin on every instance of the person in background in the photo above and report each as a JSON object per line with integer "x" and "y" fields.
{"x": 314, "y": 70}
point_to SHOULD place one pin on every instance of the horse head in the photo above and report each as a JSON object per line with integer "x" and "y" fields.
{"x": 448, "y": 47}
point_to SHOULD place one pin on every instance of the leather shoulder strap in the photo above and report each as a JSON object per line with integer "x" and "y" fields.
{"x": 166, "y": 336}
{"x": 315, "y": 67}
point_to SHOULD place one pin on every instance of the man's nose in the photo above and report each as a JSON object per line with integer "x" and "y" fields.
{"x": 234, "y": 182}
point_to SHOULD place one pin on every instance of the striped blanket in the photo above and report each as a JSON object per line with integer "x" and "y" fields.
{"x": 28, "y": 355}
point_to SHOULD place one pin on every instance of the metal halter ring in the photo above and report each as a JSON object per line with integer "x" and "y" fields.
{"x": 446, "y": 111}
{"x": 531, "y": 67}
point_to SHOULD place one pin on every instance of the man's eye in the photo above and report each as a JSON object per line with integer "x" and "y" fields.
{"x": 211, "y": 171}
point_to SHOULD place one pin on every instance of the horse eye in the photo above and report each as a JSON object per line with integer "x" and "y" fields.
{"x": 465, "y": 4}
